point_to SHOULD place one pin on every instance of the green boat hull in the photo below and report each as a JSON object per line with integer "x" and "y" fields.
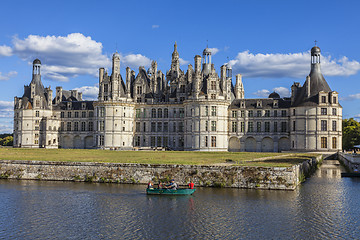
{"x": 164, "y": 191}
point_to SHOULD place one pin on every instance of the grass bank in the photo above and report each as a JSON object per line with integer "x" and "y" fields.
{"x": 152, "y": 157}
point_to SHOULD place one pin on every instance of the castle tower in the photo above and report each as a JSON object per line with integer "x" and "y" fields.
{"x": 239, "y": 87}
{"x": 116, "y": 64}
{"x": 206, "y": 61}
{"x": 175, "y": 62}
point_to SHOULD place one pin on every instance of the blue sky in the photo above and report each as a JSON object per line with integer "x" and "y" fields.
{"x": 266, "y": 41}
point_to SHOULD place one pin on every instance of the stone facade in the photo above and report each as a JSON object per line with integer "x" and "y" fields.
{"x": 196, "y": 110}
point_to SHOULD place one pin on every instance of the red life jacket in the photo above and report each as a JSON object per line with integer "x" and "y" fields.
{"x": 191, "y": 185}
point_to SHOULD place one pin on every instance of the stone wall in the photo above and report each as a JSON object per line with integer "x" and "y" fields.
{"x": 285, "y": 178}
{"x": 351, "y": 161}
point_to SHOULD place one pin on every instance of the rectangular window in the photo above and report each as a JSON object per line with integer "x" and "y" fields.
{"x": 250, "y": 113}
{"x": 323, "y": 111}
{"x": 267, "y": 113}
{"x": 206, "y": 111}
{"x": 106, "y": 88}
{"x": 137, "y": 126}
{"x": 258, "y": 113}
{"x": 101, "y": 140}
{"x": 166, "y": 126}
{"x": 213, "y": 96}
{"x": 153, "y": 127}
{"x": 62, "y": 126}
{"x": 144, "y": 127}
{"x": 166, "y": 113}
{"x": 258, "y": 126}
{"x": 138, "y": 113}
{"x": 283, "y": 113}
{"x": 234, "y": 126}
{"x": 165, "y": 141}
{"x": 174, "y": 127}
{"x": 323, "y": 125}
{"x": 323, "y": 142}
{"x": 137, "y": 141}
{"x": 83, "y": 114}
{"x": 138, "y": 89}
{"x": 334, "y": 100}
{"x": 334, "y": 143}
{"x": 182, "y": 88}
{"x": 294, "y": 126}
{"x": 153, "y": 113}
{"x": 275, "y": 127}
{"x": 91, "y": 114}
{"x": 213, "y": 85}
{"x": 68, "y": 126}
{"x": 69, "y": 114}
{"x": 213, "y": 110}
{"x": 275, "y": 113}
{"x": 242, "y": 113}
{"x": 334, "y": 125}
{"x": 76, "y": 114}
{"x": 206, "y": 141}
{"x": 323, "y": 99}
{"x": 283, "y": 127}
{"x": 181, "y": 127}
{"x": 294, "y": 112}
{"x": 213, "y": 141}
{"x": 334, "y": 112}
{"x": 250, "y": 127}
{"x": 102, "y": 112}
{"x": 159, "y": 143}
{"x": 234, "y": 114}
{"x": 91, "y": 126}
{"x": 181, "y": 112}
{"x": 206, "y": 126}
{"x": 242, "y": 127}
{"x": 83, "y": 126}
{"x": 174, "y": 113}
{"x": 37, "y": 114}
{"x": 159, "y": 113}
{"x": 159, "y": 126}
{"x": 267, "y": 126}
{"x": 144, "y": 113}
{"x": 62, "y": 114}
{"x": 213, "y": 126}
{"x": 102, "y": 126}
{"x": 152, "y": 141}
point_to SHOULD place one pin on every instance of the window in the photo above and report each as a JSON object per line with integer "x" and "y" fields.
{"x": 153, "y": 113}
{"x": 258, "y": 126}
{"x": 174, "y": 127}
{"x": 152, "y": 141}
{"x": 76, "y": 126}
{"x": 36, "y": 135}
{"x": 323, "y": 99}
{"x": 83, "y": 126}
{"x": 250, "y": 113}
{"x": 323, "y": 111}
{"x": 334, "y": 125}
{"x": 144, "y": 127}
{"x": 213, "y": 111}
{"x": 323, "y": 125}
{"x": 294, "y": 112}
{"x": 83, "y": 114}
{"x": 138, "y": 89}
{"x": 242, "y": 127}
{"x": 158, "y": 142}
{"x": 275, "y": 126}
{"x": 294, "y": 126}
{"x": 206, "y": 126}
{"x": 165, "y": 141}
{"x": 258, "y": 113}
{"x": 250, "y": 127}
{"x": 76, "y": 114}
{"x": 101, "y": 140}
{"x": 36, "y": 141}
{"x": 102, "y": 127}
{"x": 159, "y": 126}
{"x": 267, "y": 113}
{"x": 91, "y": 114}
{"x": 166, "y": 113}
{"x": 62, "y": 114}
{"x": 334, "y": 100}
{"x": 106, "y": 88}
{"x": 137, "y": 141}
{"x": 234, "y": 126}
{"x": 181, "y": 126}
{"x": 68, "y": 126}
{"x": 182, "y": 88}
{"x": 213, "y": 126}
{"x": 275, "y": 113}
{"x": 37, "y": 103}
{"x": 267, "y": 126}
{"x": 206, "y": 141}
{"x": 91, "y": 126}
{"x": 137, "y": 113}
{"x": 166, "y": 126}
{"x": 206, "y": 111}
{"x": 323, "y": 142}
{"x": 283, "y": 113}
{"x": 213, "y": 85}
{"x": 181, "y": 112}
{"x": 159, "y": 113}
{"x": 213, "y": 141}
{"x": 101, "y": 112}
{"x": 37, "y": 114}
{"x": 334, "y": 144}
{"x": 153, "y": 127}
{"x": 334, "y": 112}
{"x": 213, "y": 96}
{"x": 242, "y": 113}
{"x": 137, "y": 126}
{"x": 283, "y": 127}
{"x": 62, "y": 126}
{"x": 174, "y": 113}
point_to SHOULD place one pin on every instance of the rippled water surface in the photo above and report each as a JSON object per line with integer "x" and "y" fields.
{"x": 324, "y": 207}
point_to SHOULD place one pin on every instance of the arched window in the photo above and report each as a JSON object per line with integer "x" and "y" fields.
{"x": 153, "y": 113}
{"x": 166, "y": 113}
{"x": 159, "y": 113}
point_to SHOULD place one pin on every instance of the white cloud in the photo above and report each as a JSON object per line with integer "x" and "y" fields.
{"x": 214, "y": 50}
{"x": 63, "y": 56}
{"x": 155, "y": 26}
{"x": 5, "y": 51}
{"x": 183, "y": 62}
{"x": 89, "y": 92}
{"x": 351, "y": 97}
{"x": 294, "y": 65}
{"x": 135, "y": 60}
{"x": 6, "y": 109}
{"x": 282, "y": 91}
{"x": 8, "y": 75}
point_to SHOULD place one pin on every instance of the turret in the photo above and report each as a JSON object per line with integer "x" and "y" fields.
{"x": 197, "y": 60}
{"x": 175, "y": 63}
{"x": 116, "y": 65}
{"x": 101, "y": 75}
{"x": 128, "y": 82}
{"x": 206, "y": 61}
{"x": 239, "y": 87}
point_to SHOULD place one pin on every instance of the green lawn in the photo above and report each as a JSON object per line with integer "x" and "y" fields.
{"x": 152, "y": 157}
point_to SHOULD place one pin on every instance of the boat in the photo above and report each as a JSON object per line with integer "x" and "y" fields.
{"x": 345, "y": 174}
{"x": 165, "y": 191}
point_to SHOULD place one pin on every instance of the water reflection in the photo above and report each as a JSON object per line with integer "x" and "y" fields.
{"x": 324, "y": 207}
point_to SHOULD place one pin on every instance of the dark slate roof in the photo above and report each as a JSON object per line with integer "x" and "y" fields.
{"x": 266, "y": 103}
{"x": 274, "y": 95}
{"x": 75, "y": 105}
{"x": 37, "y": 61}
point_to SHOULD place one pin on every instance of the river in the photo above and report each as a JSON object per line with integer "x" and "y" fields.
{"x": 326, "y": 206}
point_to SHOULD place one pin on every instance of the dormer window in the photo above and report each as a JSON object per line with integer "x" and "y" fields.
{"x": 276, "y": 104}
{"x": 138, "y": 89}
{"x": 69, "y": 105}
{"x": 323, "y": 99}
{"x": 243, "y": 104}
{"x": 334, "y": 100}
{"x": 105, "y": 88}
{"x": 83, "y": 106}
{"x": 259, "y": 104}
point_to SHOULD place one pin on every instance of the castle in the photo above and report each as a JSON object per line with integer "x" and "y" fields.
{"x": 194, "y": 110}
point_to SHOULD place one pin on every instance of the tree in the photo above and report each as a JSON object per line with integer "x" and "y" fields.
{"x": 351, "y": 133}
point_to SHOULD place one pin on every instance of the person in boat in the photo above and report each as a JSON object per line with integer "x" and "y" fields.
{"x": 191, "y": 185}
{"x": 160, "y": 185}
{"x": 150, "y": 185}
{"x": 173, "y": 185}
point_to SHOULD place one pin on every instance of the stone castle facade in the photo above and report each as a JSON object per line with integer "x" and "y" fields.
{"x": 196, "y": 110}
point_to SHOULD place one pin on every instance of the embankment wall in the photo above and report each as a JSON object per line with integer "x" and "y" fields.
{"x": 351, "y": 161}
